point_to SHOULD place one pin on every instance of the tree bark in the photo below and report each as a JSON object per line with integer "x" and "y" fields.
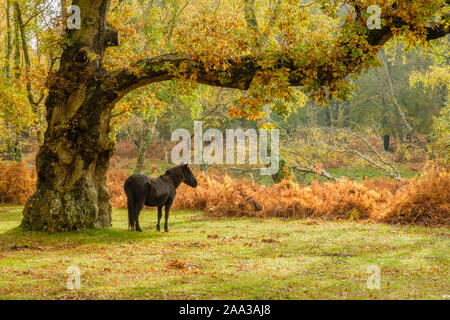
{"x": 386, "y": 142}
{"x": 71, "y": 164}
{"x": 35, "y": 103}
{"x": 14, "y": 145}
{"x": 391, "y": 90}
{"x": 147, "y": 137}
{"x": 163, "y": 143}
{"x": 7, "y": 67}
{"x": 16, "y": 47}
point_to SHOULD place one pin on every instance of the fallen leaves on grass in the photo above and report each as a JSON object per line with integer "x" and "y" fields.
{"x": 25, "y": 247}
{"x": 181, "y": 265}
{"x": 269, "y": 240}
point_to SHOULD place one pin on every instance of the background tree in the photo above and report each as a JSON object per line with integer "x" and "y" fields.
{"x": 437, "y": 77}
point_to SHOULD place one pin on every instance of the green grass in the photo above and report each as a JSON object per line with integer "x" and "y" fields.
{"x": 357, "y": 174}
{"x": 360, "y": 173}
{"x": 209, "y": 258}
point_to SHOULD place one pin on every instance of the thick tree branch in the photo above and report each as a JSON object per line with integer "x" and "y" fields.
{"x": 111, "y": 37}
{"x": 242, "y": 70}
{"x": 164, "y": 67}
{"x": 440, "y": 30}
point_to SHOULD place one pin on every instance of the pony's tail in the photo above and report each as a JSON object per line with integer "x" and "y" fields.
{"x": 130, "y": 204}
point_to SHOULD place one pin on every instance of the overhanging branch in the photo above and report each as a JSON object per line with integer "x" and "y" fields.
{"x": 163, "y": 68}
{"x": 241, "y": 71}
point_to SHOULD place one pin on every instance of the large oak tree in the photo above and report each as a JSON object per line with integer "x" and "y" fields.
{"x": 74, "y": 158}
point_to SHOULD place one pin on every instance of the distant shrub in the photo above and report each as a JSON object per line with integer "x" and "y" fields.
{"x": 125, "y": 150}
{"x": 424, "y": 201}
{"x": 116, "y": 179}
{"x": 228, "y": 196}
{"x": 17, "y": 182}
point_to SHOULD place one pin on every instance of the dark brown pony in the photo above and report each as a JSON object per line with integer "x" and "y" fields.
{"x": 160, "y": 192}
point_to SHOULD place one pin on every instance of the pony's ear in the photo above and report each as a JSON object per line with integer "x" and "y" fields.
{"x": 185, "y": 165}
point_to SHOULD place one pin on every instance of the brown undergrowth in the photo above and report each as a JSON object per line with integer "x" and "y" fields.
{"x": 17, "y": 182}
{"x": 424, "y": 201}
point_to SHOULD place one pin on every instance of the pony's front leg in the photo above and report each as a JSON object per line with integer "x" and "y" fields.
{"x": 158, "y": 228}
{"x": 166, "y": 218}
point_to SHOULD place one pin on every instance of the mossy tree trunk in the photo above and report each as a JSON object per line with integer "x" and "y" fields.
{"x": 74, "y": 158}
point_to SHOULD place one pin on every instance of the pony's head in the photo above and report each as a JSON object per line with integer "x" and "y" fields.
{"x": 181, "y": 174}
{"x": 188, "y": 176}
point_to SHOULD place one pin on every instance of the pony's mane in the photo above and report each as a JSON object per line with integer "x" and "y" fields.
{"x": 175, "y": 174}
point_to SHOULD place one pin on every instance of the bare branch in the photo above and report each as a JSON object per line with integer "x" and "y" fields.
{"x": 393, "y": 172}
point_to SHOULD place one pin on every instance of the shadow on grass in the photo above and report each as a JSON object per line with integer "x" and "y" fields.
{"x": 88, "y": 236}
{"x": 119, "y": 233}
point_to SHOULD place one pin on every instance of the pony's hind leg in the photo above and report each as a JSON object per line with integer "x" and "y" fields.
{"x": 138, "y": 209}
{"x": 158, "y": 228}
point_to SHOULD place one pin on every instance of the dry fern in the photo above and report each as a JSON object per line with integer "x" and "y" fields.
{"x": 424, "y": 201}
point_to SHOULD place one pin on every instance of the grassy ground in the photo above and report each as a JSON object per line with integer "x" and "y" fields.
{"x": 357, "y": 174}
{"x": 203, "y": 257}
